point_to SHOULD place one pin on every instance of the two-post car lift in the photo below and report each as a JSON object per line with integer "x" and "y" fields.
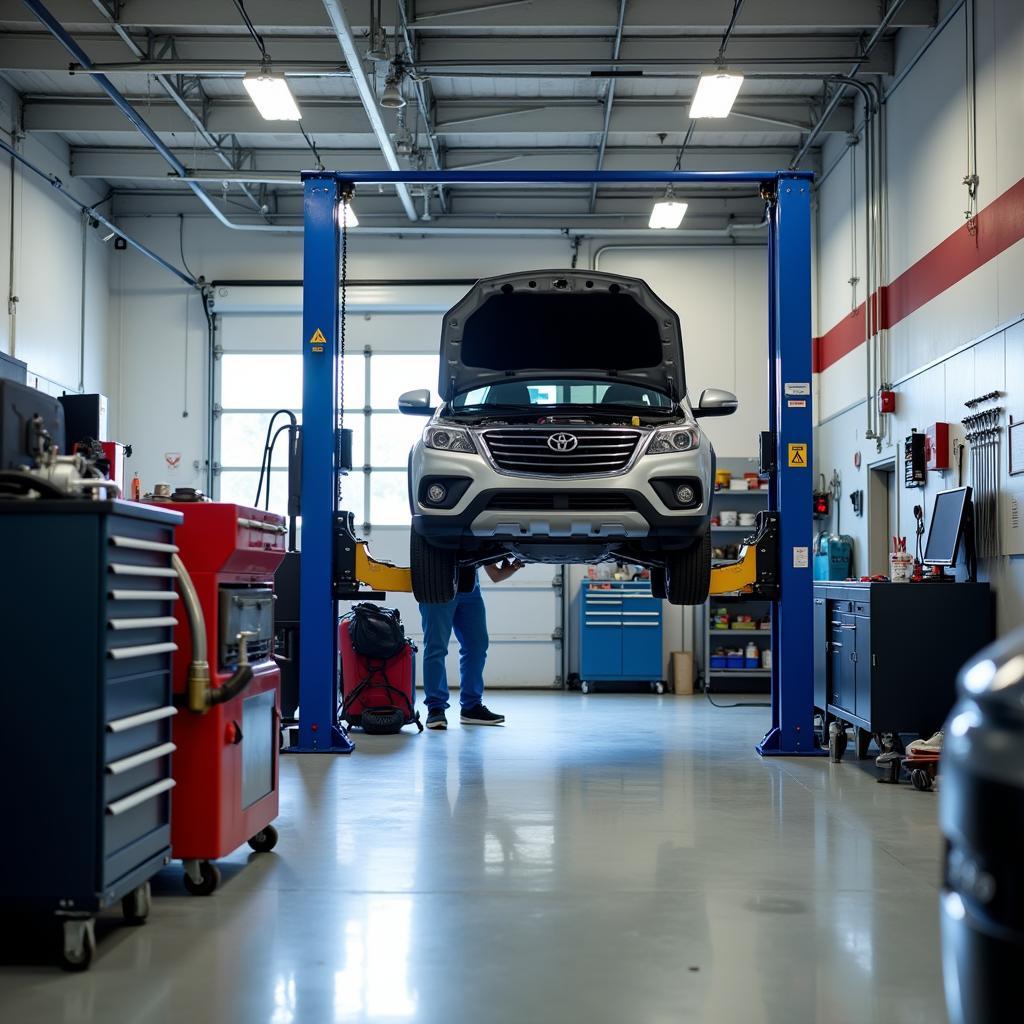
{"x": 776, "y": 564}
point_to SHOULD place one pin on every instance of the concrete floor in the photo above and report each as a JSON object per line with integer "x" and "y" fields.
{"x": 613, "y": 858}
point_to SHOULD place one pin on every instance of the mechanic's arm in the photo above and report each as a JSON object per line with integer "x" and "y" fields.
{"x": 503, "y": 569}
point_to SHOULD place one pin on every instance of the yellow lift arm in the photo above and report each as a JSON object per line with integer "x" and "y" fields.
{"x": 359, "y": 575}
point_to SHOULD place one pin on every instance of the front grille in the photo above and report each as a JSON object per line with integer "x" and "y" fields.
{"x": 598, "y": 451}
{"x": 561, "y": 502}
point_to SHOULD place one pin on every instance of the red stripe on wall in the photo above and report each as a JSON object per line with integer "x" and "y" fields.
{"x": 998, "y": 226}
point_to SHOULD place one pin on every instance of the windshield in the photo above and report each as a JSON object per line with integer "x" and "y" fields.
{"x": 535, "y": 394}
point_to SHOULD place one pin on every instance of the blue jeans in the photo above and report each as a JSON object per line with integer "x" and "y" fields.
{"x": 466, "y": 615}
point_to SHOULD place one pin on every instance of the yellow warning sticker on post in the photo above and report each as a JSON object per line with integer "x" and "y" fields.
{"x": 318, "y": 341}
{"x": 798, "y": 456}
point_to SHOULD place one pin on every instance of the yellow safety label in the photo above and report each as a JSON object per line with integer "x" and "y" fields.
{"x": 798, "y": 456}
{"x": 318, "y": 340}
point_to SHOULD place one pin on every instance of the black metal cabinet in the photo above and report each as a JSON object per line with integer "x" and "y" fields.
{"x": 86, "y": 603}
{"x": 886, "y": 655}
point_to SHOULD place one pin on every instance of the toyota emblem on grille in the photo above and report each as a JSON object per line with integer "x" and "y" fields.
{"x": 563, "y": 442}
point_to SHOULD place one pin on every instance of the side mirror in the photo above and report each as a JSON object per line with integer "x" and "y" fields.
{"x": 716, "y": 402}
{"x": 416, "y": 403}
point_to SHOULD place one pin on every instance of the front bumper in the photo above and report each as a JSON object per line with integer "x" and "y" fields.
{"x": 578, "y": 508}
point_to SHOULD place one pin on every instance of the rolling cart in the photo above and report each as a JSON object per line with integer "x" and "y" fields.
{"x": 86, "y": 598}
{"x": 620, "y": 635}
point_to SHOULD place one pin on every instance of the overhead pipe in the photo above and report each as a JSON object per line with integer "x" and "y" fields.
{"x": 609, "y": 101}
{"x": 834, "y": 102}
{"x": 175, "y": 96}
{"x": 61, "y": 35}
{"x": 96, "y": 215}
{"x": 343, "y": 30}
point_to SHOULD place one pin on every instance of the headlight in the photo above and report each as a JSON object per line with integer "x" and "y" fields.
{"x": 449, "y": 439}
{"x": 673, "y": 439}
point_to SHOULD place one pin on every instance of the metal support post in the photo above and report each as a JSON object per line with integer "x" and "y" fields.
{"x": 791, "y": 424}
{"x": 319, "y": 731}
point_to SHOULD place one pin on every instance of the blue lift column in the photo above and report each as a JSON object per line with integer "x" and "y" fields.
{"x": 318, "y": 636}
{"x": 791, "y": 487}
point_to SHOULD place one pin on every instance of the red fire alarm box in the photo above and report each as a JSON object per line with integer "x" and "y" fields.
{"x": 886, "y": 400}
{"x": 936, "y": 446}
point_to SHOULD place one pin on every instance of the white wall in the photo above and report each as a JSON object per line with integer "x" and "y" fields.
{"x": 48, "y": 330}
{"x": 927, "y": 158}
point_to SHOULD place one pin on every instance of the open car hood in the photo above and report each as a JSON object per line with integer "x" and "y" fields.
{"x": 549, "y": 322}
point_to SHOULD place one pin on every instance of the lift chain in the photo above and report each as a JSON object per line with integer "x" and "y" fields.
{"x": 346, "y": 198}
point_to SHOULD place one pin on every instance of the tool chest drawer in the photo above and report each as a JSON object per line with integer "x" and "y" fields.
{"x": 620, "y": 631}
{"x": 93, "y": 611}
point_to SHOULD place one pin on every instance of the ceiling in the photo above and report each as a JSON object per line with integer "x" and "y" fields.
{"x": 490, "y": 84}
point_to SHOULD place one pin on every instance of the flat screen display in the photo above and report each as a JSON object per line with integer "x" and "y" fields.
{"x": 947, "y": 526}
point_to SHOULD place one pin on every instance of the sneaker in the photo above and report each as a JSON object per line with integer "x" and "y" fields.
{"x": 481, "y": 716}
{"x": 437, "y": 719}
{"x": 929, "y": 746}
{"x": 887, "y": 757}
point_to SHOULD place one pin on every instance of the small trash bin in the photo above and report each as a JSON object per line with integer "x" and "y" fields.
{"x": 981, "y": 813}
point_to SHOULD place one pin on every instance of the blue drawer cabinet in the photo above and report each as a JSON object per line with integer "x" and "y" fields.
{"x": 620, "y": 632}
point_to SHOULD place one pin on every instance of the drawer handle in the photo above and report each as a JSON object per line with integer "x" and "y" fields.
{"x": 142, "y": 718}
{"x": 156, "y": 620}
{"x": 649, "y": 625}
{"x": 140, "y": 797}
{"x": 126, "y": 764}
{"x": 648, "y": 614}
{"x": 592, "y": 625}
{"x": 143, "y": 595}
{"x": 120, "y": 569}
{"x": 136, "y": 544}
{"x": 141, "y": 651}
{"x": 844, "y": 625}
{"x": 256, "y": 524}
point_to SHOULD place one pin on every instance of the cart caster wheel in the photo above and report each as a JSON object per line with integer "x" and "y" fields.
{"x": 264, "y": 840}
{"x": 658, "y": 687}
{"x": 79, "y": 944}
{"x": 921, "y": 779}
{"x": 135, "y": 906}
{"x": 586, "y": 687}
{"x": 210, "y": 879}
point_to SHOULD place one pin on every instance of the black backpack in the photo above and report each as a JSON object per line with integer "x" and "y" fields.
{"x": 376, "y": 632}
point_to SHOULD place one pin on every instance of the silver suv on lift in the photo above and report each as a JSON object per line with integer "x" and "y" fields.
{"x": 565, "y": 435}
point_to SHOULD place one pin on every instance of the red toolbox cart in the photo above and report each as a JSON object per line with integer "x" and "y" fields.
{"x": 226, "y": 763}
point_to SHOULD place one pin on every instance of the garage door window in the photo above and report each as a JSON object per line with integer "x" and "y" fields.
{"x": 254, "y": 385}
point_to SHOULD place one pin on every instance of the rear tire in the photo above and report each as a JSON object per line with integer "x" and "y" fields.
{"x": 688, "y": 572}
{"x": 658, "y": 585}
{"x": 434, "y": 571}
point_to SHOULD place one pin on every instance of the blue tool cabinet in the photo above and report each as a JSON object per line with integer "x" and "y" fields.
{"x": 87, "y": 594}
{"x": 620, "y": 633}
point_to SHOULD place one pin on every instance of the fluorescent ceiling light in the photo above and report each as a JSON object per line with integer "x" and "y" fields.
{"x": 716, "y": 93}
{"x": 273, "y": 98}
{"x": 347, "y": 216}
{"x": 667, "y": 213}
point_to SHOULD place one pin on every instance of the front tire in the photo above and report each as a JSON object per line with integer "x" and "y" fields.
{"x": 688, "y": 572}
{"x": 434, "y": 571}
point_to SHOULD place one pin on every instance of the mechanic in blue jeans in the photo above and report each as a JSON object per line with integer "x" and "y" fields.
{"x": 467, "y": 616}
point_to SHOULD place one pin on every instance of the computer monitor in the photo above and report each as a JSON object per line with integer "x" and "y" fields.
{"x": 951, "y": 515}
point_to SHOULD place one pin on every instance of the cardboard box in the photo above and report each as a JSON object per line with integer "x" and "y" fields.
{"x": 682, "y": 672}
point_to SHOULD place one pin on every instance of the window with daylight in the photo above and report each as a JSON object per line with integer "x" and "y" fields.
{"x": 253, "y": 386}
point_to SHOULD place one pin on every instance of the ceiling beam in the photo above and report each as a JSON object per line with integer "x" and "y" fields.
{"x": 32, "y": 51}
{"x": 281, "y": 168}
{"x": 823, "y": 53}
{"x": 456, "y": 121}
{"x": 443, "y": 16}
